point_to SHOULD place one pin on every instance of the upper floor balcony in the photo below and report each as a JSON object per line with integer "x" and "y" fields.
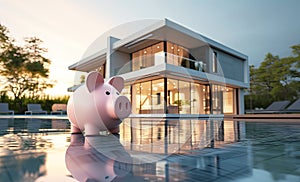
{"x": 185, "y": 62}
{"x": 145, "y": 61}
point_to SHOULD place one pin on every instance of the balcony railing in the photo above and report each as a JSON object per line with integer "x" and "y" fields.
{"x": 185, "y": 62}
{"x": 159, "y": 58}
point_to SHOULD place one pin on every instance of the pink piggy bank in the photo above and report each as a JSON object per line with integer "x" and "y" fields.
{"x": 97, "y": 105}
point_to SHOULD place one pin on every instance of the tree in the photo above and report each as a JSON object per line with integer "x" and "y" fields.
{"x": 275, "y": 79}
{"x": 23, "y": 68}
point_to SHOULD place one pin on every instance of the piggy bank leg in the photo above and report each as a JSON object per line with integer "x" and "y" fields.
{"x": 115, "y": 130}
{"x": 75, "y": 130}
{"x": 91, "y": 130}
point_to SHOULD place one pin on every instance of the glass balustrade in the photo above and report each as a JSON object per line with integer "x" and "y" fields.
{"x": 185, "y": 62}
{"x": 160, "y": 58}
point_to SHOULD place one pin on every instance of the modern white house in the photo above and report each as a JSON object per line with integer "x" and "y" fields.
{"x": 171, "y": 70}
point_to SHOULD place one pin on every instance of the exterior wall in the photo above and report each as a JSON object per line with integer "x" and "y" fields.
{"x": 241, "y": 103}
{"x": 115, "y": 60}
{"x": 230, "y": 66}
{"x": 120, "y": 64}
{"x": 110, "y": 41}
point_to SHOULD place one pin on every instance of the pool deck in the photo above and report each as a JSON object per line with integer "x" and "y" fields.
{"x": 36, "y": 116}
{"x": 271, "y": 117}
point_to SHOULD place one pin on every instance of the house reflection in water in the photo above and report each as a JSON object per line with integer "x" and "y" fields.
{"x": 173, "y": 138}
{"x": 166, "y": 136}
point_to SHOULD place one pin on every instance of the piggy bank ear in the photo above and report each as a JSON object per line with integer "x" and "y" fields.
{"x": 117, "y": 82}
{"x": 93, "y": 80}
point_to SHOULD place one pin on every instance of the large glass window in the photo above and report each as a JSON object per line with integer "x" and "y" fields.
{"x": 148, "y": 97}
{"x": 215, "y": 62}
{"x": 173, "y": 96}
{"x": 223, "y": 100}
{"x": 206, "y": 99}
{"x": 145, "y": 98}
{"x": 196, "y": 101}
{"x": 184, "y": 97}
{"x": 176, "y": 54}
{"x": 217, "y": 98}
{"x": 157, "y": 96}
{"x": 228, "y": 100}
{"x": 148, "y": 57}
{"x": 126, "y": 92}
{"x": 136, "y": 98}
{"x": 156, "y": 54}
{"x": 187, "y": 98}
{"x": 136, "y": 60}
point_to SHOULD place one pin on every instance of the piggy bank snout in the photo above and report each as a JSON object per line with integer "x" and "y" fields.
{"x": 122, "y": 107}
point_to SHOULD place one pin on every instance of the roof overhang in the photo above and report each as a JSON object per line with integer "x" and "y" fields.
{"x": 90, "y": 63}
{"x": 163, "y": 30}
{"x": 166, "y": 30}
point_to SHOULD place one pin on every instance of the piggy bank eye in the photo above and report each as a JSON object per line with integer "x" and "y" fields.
{"x": 107, "y": 92}
{"x": 117, "y": 93}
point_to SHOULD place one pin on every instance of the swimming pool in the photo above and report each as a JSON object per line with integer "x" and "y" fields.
{"x": 34, "y": 149}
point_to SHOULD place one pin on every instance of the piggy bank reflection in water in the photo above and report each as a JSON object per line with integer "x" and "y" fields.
{"x": 91, "y": 159}
{"x": 97, "y": 106}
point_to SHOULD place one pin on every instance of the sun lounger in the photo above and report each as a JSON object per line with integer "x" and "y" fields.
{"x": 59, "y": 109}
{"x": 275, "y": 107}
{"x": 35, "y": 109}
{"x": 295, "y": 107}
{"x": 5, "y": 110}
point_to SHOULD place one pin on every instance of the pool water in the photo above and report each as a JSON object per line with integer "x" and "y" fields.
{"x": 151, "y": 150}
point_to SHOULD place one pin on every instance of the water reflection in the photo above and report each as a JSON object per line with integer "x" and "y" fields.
{"x": 178, "y": 136}
{"x": 188, "y": 149}
{"x": 202, "y": 155}
{"x": 23, "y": 149}
{"x": 276, "y": 149}
{"x": 25, "y": 167}
{"x": 98, "y": 158}
{"x": 151, "y": 150}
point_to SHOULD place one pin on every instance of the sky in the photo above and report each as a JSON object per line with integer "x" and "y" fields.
{"x": 68, "y": 27}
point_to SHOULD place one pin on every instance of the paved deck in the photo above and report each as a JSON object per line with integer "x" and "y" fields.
{"x": 36, "y": 116}
{"x": 264, "y": 116}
